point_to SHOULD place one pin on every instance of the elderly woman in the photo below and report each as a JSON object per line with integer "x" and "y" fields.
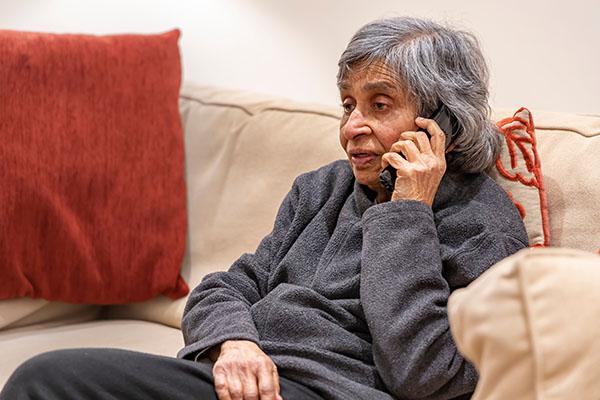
{"x": 346, "y": 297}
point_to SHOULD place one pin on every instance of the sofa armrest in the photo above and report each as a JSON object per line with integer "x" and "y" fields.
{"x": 530, "y": 326}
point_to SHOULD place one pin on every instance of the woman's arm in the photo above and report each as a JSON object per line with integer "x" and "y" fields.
{"x": 404, "y": 296}
{"x": 218, "y": 309}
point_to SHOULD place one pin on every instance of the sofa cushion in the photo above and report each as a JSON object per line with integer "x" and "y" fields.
{"x": 93, "y": 196}
{"x": 529, "y": 325}
{"x": 20, "y": 344}
{"x": 24, "y": 311}
{"x": 569, "y": 145}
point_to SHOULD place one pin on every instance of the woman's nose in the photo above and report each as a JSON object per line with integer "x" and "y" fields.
{"x": 356, "y": 125}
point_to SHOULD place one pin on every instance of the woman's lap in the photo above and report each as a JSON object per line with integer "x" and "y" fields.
{"x": 103, "y": 374}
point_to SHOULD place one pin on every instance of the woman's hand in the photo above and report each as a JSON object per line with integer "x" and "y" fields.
{"x": 242, "y": 371}
{"x": 420, "y": 172}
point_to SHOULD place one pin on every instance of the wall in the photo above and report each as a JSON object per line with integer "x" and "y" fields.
{"x": 542, "y": 54}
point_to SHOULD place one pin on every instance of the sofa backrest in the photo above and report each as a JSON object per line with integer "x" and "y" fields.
{"x": 243, "y": 151}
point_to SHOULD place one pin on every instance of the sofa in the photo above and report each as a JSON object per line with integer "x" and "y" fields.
{"x": 242, "y": 152}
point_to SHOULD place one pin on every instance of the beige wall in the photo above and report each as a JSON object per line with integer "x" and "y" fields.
{"x": 542, "y": 54}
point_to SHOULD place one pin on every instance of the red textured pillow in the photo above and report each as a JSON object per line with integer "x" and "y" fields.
{"x": 519, "y": 171}
{"x": 93, "y": 194}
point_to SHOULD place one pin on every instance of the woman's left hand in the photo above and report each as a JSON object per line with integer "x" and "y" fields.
{"x": 418, "y": 175}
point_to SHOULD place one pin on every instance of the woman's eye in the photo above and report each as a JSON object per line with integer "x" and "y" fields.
{"x": 380, "y": 106}
{"x": 348, "y": 107}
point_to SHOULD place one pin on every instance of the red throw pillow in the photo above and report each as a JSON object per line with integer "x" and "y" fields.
{"x": 519, "y": 171}
{"x": 91, "y": 153}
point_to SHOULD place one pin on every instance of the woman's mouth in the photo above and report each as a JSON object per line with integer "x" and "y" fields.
{"x": 360, "y": 159}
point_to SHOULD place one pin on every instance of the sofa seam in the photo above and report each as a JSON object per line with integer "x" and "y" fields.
{"x": 321, "y": 113}
{"x": 217, "y": 104}
{"x": 251, "y": 113}
{"x": 543, "y": 130}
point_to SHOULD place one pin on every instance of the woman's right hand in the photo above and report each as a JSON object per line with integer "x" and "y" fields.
{"x": 242, "y": 371}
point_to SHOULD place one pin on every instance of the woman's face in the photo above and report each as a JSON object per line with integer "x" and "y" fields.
{"x": 376, "y": 112}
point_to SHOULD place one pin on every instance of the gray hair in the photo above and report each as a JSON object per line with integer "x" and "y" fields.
{"x": 435, "y": 64}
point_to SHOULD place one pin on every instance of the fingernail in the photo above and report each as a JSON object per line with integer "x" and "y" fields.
{"x": 420, "y": 118}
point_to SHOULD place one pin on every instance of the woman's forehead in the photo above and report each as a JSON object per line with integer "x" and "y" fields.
{"x": 375, "y": 76}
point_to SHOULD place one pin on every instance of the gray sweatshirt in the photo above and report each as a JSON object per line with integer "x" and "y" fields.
{"x": 348, "y": 297}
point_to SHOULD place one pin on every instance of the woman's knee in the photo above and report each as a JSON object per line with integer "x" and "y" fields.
{"x": 48, "y": 375}
{"x": 36, "y": 376}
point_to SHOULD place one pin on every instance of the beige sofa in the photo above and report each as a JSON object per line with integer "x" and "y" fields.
{"x": 242, "y": 152}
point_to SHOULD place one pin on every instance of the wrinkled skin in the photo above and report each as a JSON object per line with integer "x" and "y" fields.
{"x": 380, "y": 119}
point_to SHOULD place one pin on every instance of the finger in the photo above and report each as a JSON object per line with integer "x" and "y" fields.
{"x": 234, "y": 386}
{"x": 249, "y": 384}
{"x": 267, "y": 386}
{"x": 420, "y": 138}
{"x": 393, "y": 159}
{"x": 408, "y": 148}
{"x": 220, "y": 383}
{"x": 438, "y": 137}
{"x": 384, "y": 162}
{"x": 276, "y": 380}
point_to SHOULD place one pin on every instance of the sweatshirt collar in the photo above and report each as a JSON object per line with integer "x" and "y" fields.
{"x": 363, "y": 196}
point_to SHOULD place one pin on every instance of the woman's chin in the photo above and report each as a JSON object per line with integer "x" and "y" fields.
{"x": 367, "y": 178}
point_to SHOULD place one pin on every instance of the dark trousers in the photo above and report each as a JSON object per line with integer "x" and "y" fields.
{"x": 103, "y": 374}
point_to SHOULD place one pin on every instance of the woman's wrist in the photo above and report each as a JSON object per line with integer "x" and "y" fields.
{"x": 214, "y": 352}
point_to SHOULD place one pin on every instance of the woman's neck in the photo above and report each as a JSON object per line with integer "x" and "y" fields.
{"x": 382, "y": 197}
{"x": 379, "y": 194}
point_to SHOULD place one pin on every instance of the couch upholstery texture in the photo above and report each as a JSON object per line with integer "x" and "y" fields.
{"x": 529, "y": 325}
{"x": 242, "y": 152}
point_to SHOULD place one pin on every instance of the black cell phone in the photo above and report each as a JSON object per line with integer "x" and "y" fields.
{"x": 447, "y": 122}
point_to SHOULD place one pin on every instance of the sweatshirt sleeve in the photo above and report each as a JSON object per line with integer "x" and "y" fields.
{"x": 218, "y": 309}
{"x": 404, "y": 296}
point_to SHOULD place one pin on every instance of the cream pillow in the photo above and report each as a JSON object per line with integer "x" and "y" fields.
{"x": 530, "y": 326}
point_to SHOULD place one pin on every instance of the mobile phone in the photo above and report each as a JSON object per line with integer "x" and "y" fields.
{"x": 446, "y": 121}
